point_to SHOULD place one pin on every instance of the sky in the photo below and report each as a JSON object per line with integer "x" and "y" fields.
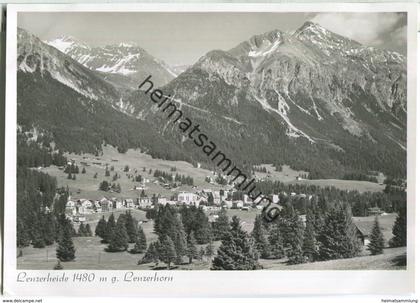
{"x": 182, "y": 38}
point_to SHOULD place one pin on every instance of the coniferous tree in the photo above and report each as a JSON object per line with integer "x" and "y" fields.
{"x": 22, "y": 235}
{"x": 119, "y": 238}
{"x": 221, "y": 225}
{"x": 141, "y": 243}
{"x": 376, "y": 244}
{"x": 275, "y": 240}
{"x": 83, "y": 170}
{"x": 260, "y": 239}
{"x": 236, "y": 251}
{"x": 310, "y": 250}
{"x": 152, "y": 254}
{"x": 338, "y": 237}
{"x": 38, "y": 240}
{"x": 64, "y": 224}
{"x": 399, "y": 230}
{"x": 110, "y": 227}
{"x": 49, "y": 228}
{"x": 88, "y": 231}
{"x": 65, "y": 250}
{"x": 180, "y": 241}
{"x": 209, "y": 250}
{"x": 82, "y": 230}
{"x": 167, "y": 252}
{"x": 101, "y": 229}
{"x": 293, "y": 237}
{"x": 130, "y": 225}
{"x": 58, "y": 266}
{"x": 191, "y": 248}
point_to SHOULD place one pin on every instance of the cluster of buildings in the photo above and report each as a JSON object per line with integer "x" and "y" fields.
{"x": 210, "y": 200}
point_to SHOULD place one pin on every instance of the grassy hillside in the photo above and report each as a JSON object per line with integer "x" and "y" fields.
{"x": 86, "y": 186}
{"x": 135, "y": 159}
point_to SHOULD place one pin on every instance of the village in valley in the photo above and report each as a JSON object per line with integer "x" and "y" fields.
{"x": 137, "y": 187}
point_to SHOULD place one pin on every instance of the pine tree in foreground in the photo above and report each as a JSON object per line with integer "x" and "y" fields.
{"x": 221, "y": 225}
{"x": 100, "y": 229}
{"x": 58, "y": 266}
{"x": 130, "y": 225}
{"x": 275, "y": 241}
{"x": 22, "y": 235}
{"x": 180, "y": 241}
{"x": 88, "y": 231}
{"x": 292, "y": 229}
{"x": 151, "y": 255}
{"x": 376, "y": 244}
{"x": 260, "y": 240}
{"x": 110, "y": 228}
{"x": 167, "y": 252}
{"x": 338, "y": 238}
{"x": 82, "y": 230}
{"x": 141, "y": 244}
{"x": 65, "y": 249}
{"x": 399, "y": 229}
{"x": 237, "y": 251}
{"x": 209, "y": 250}
{"x": 119, "y": 238}
{"x": 309, "y": 248}
{"x": 192, "y": 251}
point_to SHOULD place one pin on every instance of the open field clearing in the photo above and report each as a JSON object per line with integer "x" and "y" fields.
{"x": 288, "y": 175}
{"x": 361, "y": 186}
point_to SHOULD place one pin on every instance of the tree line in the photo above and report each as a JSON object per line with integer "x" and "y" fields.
{"x": 169, "y": 177}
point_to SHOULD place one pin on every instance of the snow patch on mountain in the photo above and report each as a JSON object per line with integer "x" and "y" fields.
{"x": 120, "y": 67}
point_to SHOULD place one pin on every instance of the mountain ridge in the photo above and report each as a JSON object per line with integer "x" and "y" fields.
{"x": 318, "y": 101}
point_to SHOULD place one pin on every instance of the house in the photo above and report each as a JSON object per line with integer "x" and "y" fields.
{"x": 375, "y": 211}
{"x": 213, "y": 218}
{"x": 84, "y": 207}
{"x": 129, "y": 203}
{"x": 211, "y": 208}
{"x": 144, "y": 202}
{"x": 70, "y": 208}
{"x": 216, "y": 197}
{"x": 188, "y": 198}
{"x": 237, "y": 204}
{"x": 106, "y": 205}
{"x": 362, "y": 235}
{"x": 118, "y": 204}
{"x": 227, "y": 204}
{"x": 247, "y": 200}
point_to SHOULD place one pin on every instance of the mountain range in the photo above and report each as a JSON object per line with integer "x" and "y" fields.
{"x": 312, "y": 99}
{"x": 124, "y": 64}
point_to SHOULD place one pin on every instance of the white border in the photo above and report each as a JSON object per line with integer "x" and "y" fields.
{"x": 210, "y": 283}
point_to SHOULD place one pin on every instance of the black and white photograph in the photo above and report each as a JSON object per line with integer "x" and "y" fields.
{"x": 175, "y": 141}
